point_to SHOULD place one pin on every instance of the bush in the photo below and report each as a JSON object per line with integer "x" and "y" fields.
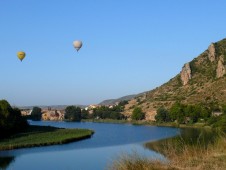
{"x": 138, "y": 114}
{"x": 218, "y": 122}
{"x": 162, "y": 115}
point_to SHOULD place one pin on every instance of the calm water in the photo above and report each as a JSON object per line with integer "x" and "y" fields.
{"x": 108, "y": 142}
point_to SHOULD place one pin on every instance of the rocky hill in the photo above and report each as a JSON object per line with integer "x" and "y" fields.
{"x": 203, "y": 80}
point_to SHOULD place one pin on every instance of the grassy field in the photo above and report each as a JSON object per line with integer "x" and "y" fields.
{"x": 43, "y": 136}
{"x": 181, "y": 154}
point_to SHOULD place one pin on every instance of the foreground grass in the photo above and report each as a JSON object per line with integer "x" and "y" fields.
{"x": 43, "y": 136}
{"x": 180, "y": 154}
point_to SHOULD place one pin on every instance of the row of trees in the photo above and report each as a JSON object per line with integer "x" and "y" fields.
{"x": 186, "y": 113}
{"x": 105, "y": 112}
{"x": 11, "y": 120}
{"x": 73, "y": 113}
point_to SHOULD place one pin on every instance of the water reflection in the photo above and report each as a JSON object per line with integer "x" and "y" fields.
{"x": 188, "y": 136}
{"x": 6, "y": 161}
{"x": 108, "y": 141}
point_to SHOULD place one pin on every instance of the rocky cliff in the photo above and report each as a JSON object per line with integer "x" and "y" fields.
{"x": 185, "y": 74}
{"x": 202, "y": 80}
{"x": 211, "y": 52}
{"x": 220, "y": 67}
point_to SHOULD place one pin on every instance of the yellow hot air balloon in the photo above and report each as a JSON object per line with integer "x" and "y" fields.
{"x": 21, "y": 55}
{"x": 77, "y": 44}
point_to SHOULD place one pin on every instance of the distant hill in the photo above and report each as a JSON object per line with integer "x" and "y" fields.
{"x": 203, "y": 80}
{"x": 114, "y": 101}
{"x": 57, "y": 107}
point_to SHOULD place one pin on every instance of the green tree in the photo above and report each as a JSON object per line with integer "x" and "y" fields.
{"x": 205, "y": 113}
{"x": 218, "y": 122}
{"x": 194, "y": 112}
{"x": 162, "y": 115}
{"x": 177, "y": 113}
{"x": 116, "y": 115}
{"x": 73, "y": 113}
{"x": 36, "y": 113}
{"x": 85, "y": 114}
{"x": 105, "y": 112}
{"x": 138, "y": 114}
{"x": 11, "y": 120}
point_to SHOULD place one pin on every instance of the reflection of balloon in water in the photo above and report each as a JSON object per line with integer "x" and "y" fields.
{"x": 77, "y": 44}
{"x": 21, "y": 55}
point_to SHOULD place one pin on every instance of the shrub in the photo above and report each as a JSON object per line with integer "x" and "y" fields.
{"x": 138, "y": 114}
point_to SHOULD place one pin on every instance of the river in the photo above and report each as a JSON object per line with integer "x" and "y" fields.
{"x": 96, "y": 153}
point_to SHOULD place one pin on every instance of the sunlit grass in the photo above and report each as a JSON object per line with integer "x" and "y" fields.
{"x": 180, "y": 155}
{"x": 42, "y": 136}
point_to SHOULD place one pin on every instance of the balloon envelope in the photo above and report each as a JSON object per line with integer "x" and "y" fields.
{"x": 21, "y": 55}
{"x": 77, "y": 44}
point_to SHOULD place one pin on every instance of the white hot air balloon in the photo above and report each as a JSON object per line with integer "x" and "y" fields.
{"x": 77, "y": 44}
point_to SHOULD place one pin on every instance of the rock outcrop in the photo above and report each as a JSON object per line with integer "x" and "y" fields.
{"x": 221, "y": 67}
{"x": 185, "y": 74}
{"x": 211, "y": 52}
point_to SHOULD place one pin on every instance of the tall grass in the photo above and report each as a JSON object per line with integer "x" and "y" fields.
{"x": 180, "y": 154}
{"x": 135, "y": 161}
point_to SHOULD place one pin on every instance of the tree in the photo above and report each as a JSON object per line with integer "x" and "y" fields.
{"x": 105, "y": 112}
{"x": 194, "y": 112}
{"x": 177, "y": 113}
{"x": 218, "y": 122}
{"x": 73, "y": 113}
{"x": 85, "y": 114}
{"x": 138, "y": 114}
{"x": 162, "y": 115}
{"x": 11, "y": 120}
{"x": 205, "y": 113}
{"x": 116, "y": 115}
{"x": 36, "y": 113}
{"x": 195, "y": 115}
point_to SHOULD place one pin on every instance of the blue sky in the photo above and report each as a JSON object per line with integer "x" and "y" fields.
{"x": 129, "y": 46}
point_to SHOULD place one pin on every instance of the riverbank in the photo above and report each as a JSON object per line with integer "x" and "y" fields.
{"x": 35, "y": 136}
{"x": 151, "y": 123}
{"x": 181, "y": 153}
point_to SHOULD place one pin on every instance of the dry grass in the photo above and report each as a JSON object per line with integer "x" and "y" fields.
{"x": 199, "y": 157}
{"x": 138, "y": 162}
{"x": 180, "y": 155}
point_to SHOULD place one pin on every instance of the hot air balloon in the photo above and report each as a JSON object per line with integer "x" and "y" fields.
{"x": 21, "y": 55}
{"x": 77, "y": 44}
